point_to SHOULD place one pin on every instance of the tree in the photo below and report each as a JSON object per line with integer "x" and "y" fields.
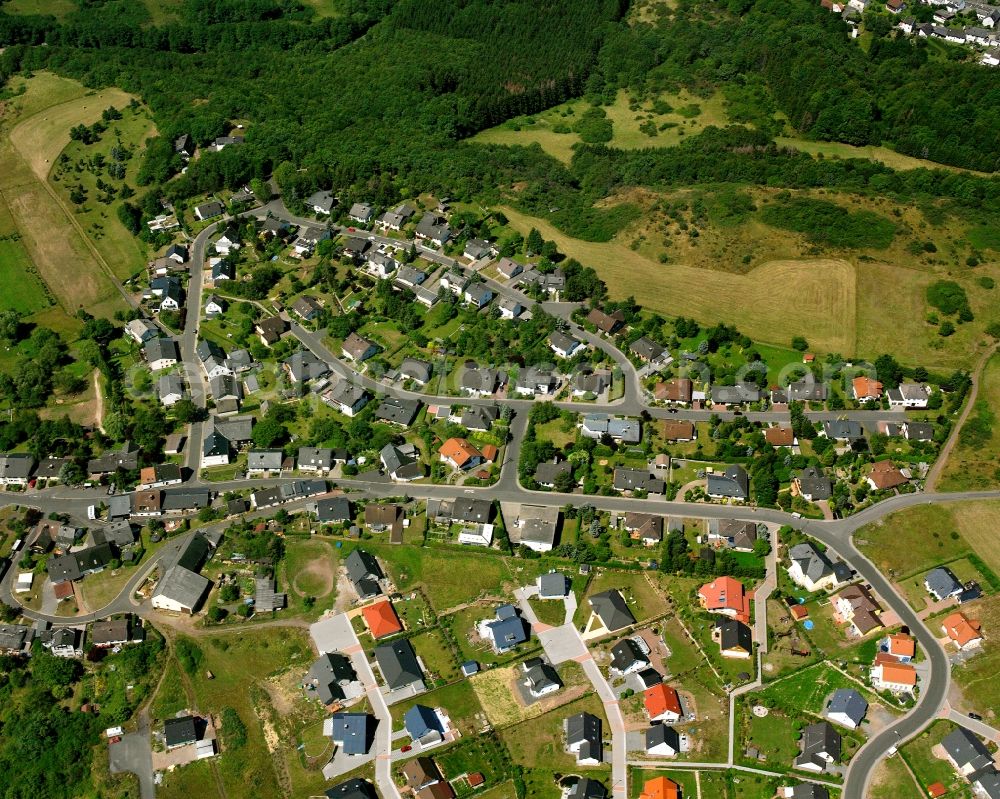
{"x": 186, "y": 411}
{"x": 564, "y": 481}
{"x": 10, "y": 326}
{"x": 534, "y": 243}
{"x": 799, "y": 343}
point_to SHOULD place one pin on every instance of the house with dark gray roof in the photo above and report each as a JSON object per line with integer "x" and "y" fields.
{"x": 303, "y": 367}
{"x": 584, "y": 738}
{"x": 553, "y": 585}
{"x": 547, "y": 472}
{"x": 612, "y": 610}
{"x": 364, "y": 572}
{"x": 739, "y": 394}
{"x": 508, "y": 629}
{"x": 821, "y": 745}
{"x": 355, "y": 788}
{"x": 416, "y": 370}
{"x": 942, "y": 583}
{"x": 807, "y": 390}
{"x": 334, "y": 510}
{"x": 843, "y": 430}
{"x": 847, "y": 707}
{"x": 540, "y": 678}
{"x": 315, "y": 459}
{"x": 401, "y": 462}
{"x": 423, "y": 725}
{"x": 734, "y": 638}
{"x": 480, "y": 417}
{"x": 812, "y": 485}
{"x": 160, "y": 353}
{"x": 329, "y": 676}
{"x": 398, "y": 410}
{"x": 399, "y": 666}
{"x": 733, "y": 533}
{"x": 733, "y": 483}
{"x": 628, "y": 657}
{"x": 631, "y": 480}
{"x": 810, "y": 568}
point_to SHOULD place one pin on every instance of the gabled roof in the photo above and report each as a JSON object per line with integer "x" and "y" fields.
{"x": 848, "y": 702}
{"x": 960, "y": 629}
{"x": 814, "y": 564}
{"x": 353, "y": 732}
{"x": 726, "y": 595}
{"x": 734, "y": 636}
{"x": 967, "y": 750}
{"x": 612, "y": 610}
{"x": 327, "y": 674}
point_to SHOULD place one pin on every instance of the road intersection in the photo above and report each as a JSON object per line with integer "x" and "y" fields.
{"x": 836, "y": 533}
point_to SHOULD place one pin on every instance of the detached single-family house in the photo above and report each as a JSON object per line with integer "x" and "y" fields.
{"x": 966, "y": 752}
{"x": 663, "y": 703}
{"x": 885, "y": 476}
{"x": 399, "y": 666}
{"x": 812, "y": 485}
{"x": 610, "y": 608}
{"x": 584, "y": 738}
{"x": 609, "y": 324}
{"x": 941, "y": 583}
{"x": 821, "y": 747}
{"x": 909, "y": 395}
{"x": 161, "y": 353}
{"x": 540, "y": 678}
{"x": 732, "y": 533}
{"x": 856, "y": 605}
{"x": 678, "y": 390}
{"x": 563, "y": 345}
{"x": 663, "y": 740}
{"x": 734, "y": 638}
{"x": 270, "y": 330}
{"x": 725, "y": 596}
{"x": 321, "y": 202}
{"x": 628, "y": 657}
{"x": 358, "y": 349}
{"x": 810, "y": 568}
{"x": 965, "y": 633}
{"x": 866, "y": 388}
{"x": 507, "y": 630}
{"x": 459, "y": 453}
{"x": 208, "y": 210}
{"x": 847, "y": 707}
{"x": 891, "y": 675}
{"x": 733, "y": 483}
{"x": 361, "y": 213}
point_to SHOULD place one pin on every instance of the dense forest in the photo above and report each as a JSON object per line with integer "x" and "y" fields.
{"x": 376, "y": 102}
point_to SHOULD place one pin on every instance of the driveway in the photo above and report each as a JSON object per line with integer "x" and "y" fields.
{"x": 134, "y": 754}
{"x": 562, "y": 644}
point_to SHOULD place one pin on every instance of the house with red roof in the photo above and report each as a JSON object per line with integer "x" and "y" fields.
{"x": 726, "y": 596}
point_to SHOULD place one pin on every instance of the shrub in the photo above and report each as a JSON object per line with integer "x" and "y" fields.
{"x": 828, "y": 223}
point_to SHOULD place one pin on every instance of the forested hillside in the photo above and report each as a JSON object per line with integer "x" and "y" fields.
{"x": 380, "y": 97}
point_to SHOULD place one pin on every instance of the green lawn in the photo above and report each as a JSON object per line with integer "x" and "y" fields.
{"x": 774, "y": 735}
{"x": 539, "y": 742}
{"x": 643, "y": 599}
{"x": 457, "y": 699}
{"x": 482, "y": 753}
{"x": 808, "y": 690}
{"x": 437, "y": 656}
{"x": 23, "y": 291}
{"x": 911, "y": 541}
{"x": 549, "y": 611}
{"x": 928, "y": 768}
{"x": 170, "y": 698}
{"x": 684, "y": 655}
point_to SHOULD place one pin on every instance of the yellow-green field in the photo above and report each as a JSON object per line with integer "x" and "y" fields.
{"x": 34, "y": 128}
{"x": 57, "y": 8}
{"x": 540, "y": 128}
{"x": 832, "y": 149}
{"x": 840, "y": 305}
{"x": 977, "y": 466}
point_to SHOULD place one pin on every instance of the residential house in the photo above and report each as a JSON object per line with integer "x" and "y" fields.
{"x": 216, "y": 450}
{"x": 610, "y": 608}
{"x": 15, "y": 469}
{"x": 321, "y": 202}
{"x": 891, "y": 675}
{"x": 221, "y": 270}
{"x": 780, "y": 436}
{"x": 161, "y": 353}
{"x": 965, "y": 633}
{"x": 678, "y": 430}
{"x": 423, "y": 725}
{"x": 365, "y": 573}
{"x": 169, "y": 293}
{"x": 110, "y": 462}
{"x": 331, "y": 678}
{"x": 540, "y": 678}
{"x": 821, "y": 747}
{"x": 416, "y": 370}
{"x": 215, "y": 305}
{"x": 532, "y": 382}
{"x": 885, "y": 475}
{"x": 598, "y": 425}
{"x": 586, "y": 788}
{"x": 733, "y": 483}
{"x": 856, "y": 605}
{"x": 553, "y": 585}
{"x": 352, "y": 733}
{"x": 480, "y": 381}
{"x": 141, "y": 330}
{"x": 304, "y": 367}
{"x": 179, "y": 732}
{"x": 866, "y": 388}
{"x": 536, "y": 527}
{"x": 663, "y": 740}
{"x": 478, "y": 294}
{"x": 114, "y": 632}
{"x": 807, "y": 390}
{"x": 660, "y": 787}
{"x": 941, "y": 583}
{"x": 810, "y": 568}
{"x": 434, "y": 229}
{"x": 966, "y": 752}
{"x": 334, "y": 510}
{"x": 548, "y": 472}
{"x": 647, "y": 350}
{"x": 307, "y": 307}
{"x": 732, "y": 533}
{"x": 507, "y": 630}
{"x": 812, "y": 485}
{"x": 165, "y": 474}
{"x": 208, "y": 210}
{"x": 609, "y": 324}
{"x": 678, "y": 390}
{"x": 354, "y": 788}
{"x": 315, "y": 459}
{"x": 270, "y": 329}
{"x": 725, "y": 596}
{"x": 356, "y": 247}
{"x": 584, "y": 738}
{"x": 459, "y": 453}
{"x": 347, "y": 398}
{"x": 358, "y": 349}
{"x": 381, "y": 264}
{"x": 381, "y": 619}
{"x": 381, "y": 517}
{"x": 479, "y": 417}
{"x": 563, "y": 345}
{"x": 180, "y": 590}
{"x": 847, "y": 707}
{"x": 644, "y": 527}
{"x": 843, "y": 430}
{"x": 401, "y": 462}
{"x": 629, "y": 481}
{"x": 264, "y": 462}
{"x": 398, "y": 411}
{"x": 901, "y": 646}
{"x": 475, "y": 249}
{"x": 399, "y": 666}
{"x": 918, "y": 431}
{"x": 510, "y": 308}
{"x": 362, "y": 213}
{"x": 508, "y": 268}
{"x": 739, "y": 394}
{"x": 629, "y": 656}
{"x": 909, "y": 395}
{"x": 397, "y": 218}
{"x": 733, "y": 637}
{"x": 591, "y": 383}
{"x": 663, "y": 703}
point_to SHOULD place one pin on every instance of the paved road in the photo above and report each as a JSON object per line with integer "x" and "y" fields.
{"x": 134, "y": 753}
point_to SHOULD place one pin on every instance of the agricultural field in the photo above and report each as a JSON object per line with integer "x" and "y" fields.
{"x": 34, "y": 129}
{"x": 757, "y": 272}
{"x": 910, "y": 542}
{"x": 660, "y": 123}
{"x": 974, "y": 463}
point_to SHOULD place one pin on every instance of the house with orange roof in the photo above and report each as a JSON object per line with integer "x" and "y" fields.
{"x": 459, "y": 453}
{"x": 663, "y": 703}
{"x": 726, "y": 595}
{"x": 965, "y": 633}
{"x": 885, "y": 475}
{"x": 901, "y": 646}
{"x": 381, "y": 619}
{"x": 865, "y": 388}
{"x": 936, "y": 789}
{"x": 889, "y": 674}
{"x": 660, "y": 788}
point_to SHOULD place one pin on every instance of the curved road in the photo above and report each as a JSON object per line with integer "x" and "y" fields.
{"x": 836, "y": 534}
